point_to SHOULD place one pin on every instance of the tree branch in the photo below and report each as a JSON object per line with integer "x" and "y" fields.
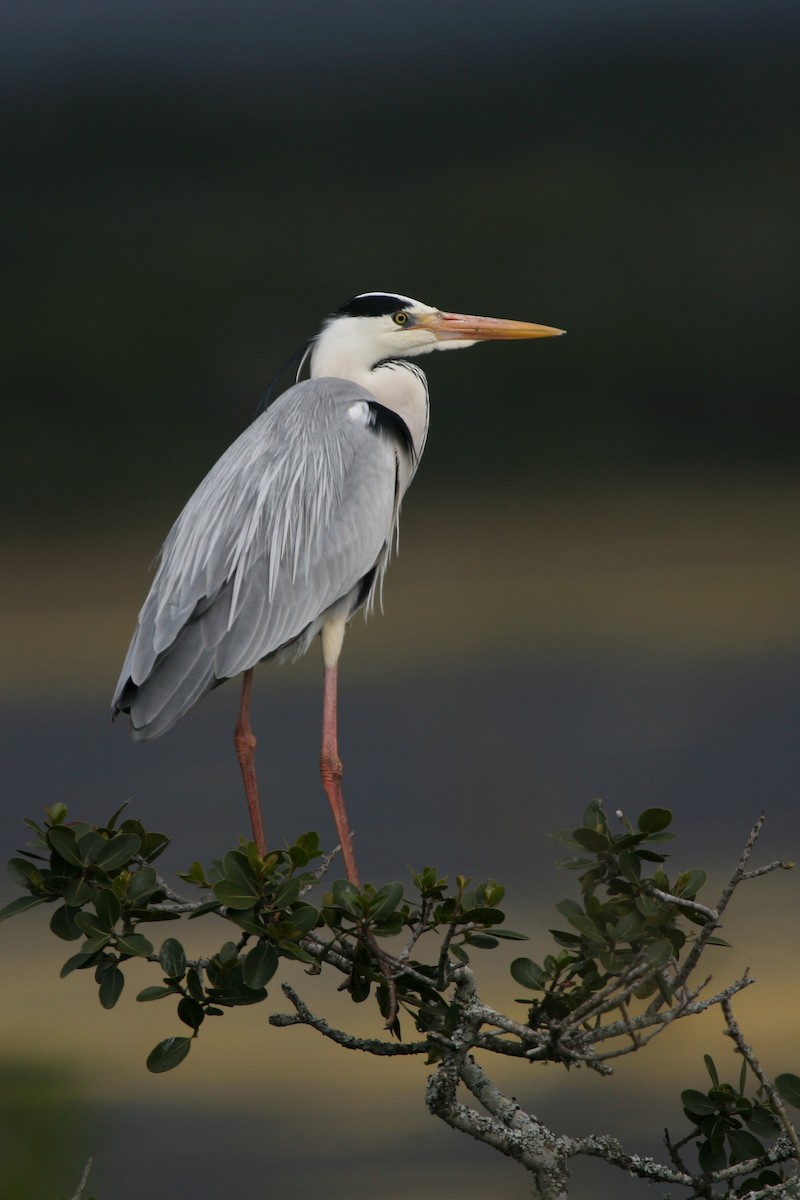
{"x": 304, "y": 1016}
{"x": 733, "y": 1031}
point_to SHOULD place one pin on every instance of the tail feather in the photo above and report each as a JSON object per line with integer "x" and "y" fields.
{"x": 178, "y": 680}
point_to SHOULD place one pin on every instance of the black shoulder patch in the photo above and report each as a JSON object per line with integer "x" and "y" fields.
{"x": 389, "y": 425}
{"x": 372, "y": 304}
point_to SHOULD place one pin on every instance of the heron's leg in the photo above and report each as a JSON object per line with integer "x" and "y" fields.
{"x": 245, "y": 743}
{"x": 330, "y": 766}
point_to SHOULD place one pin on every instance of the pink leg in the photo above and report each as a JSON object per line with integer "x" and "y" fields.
{"x": 245, "y": 743}
{"x": 330, "y": 766}
{"x": 331, "y": 770}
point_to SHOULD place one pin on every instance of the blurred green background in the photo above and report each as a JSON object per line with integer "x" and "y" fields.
{"x": 599, "y": 583}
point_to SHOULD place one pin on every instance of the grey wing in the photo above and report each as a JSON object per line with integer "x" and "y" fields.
{"x": 296, "y": 513}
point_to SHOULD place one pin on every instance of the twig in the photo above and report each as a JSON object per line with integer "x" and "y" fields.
{"x": 687, "y": 1008}
{"x": 84, "y": 1181}
{"x": 702, "y": 910}
{"x": 321, "y": 870}
{"x": 741, "y": 867}
{"x": 304, "y": 1016}
{"x": 773, "y": 866}
{"x": 733, "y": 1031}
{"x": 610, "y": 1150}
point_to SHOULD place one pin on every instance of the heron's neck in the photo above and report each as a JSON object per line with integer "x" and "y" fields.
{"x": 400, "y": 386}
{"x": 396, "y": 384}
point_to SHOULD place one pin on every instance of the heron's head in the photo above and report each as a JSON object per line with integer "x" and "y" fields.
{"x": 377, "y": 326}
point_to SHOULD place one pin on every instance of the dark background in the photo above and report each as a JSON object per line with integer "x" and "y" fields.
{"x": 599, "y": 581}
{"x": 188, "y": 189}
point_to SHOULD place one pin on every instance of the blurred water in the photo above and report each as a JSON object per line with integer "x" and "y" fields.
{"x": 469, "y": 770}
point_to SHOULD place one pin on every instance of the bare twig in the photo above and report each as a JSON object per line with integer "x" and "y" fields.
{"x": 84, "y": 1181}
{"x": 417, "y": 933}
{"x": 753, "y": 1063}
{"x": 773, "y": 866}
{"x": 304, "y": 1016}
{"x": 701, "y": 910}
{"x": 321, "y": 870}
{"x": 693, "y": 956}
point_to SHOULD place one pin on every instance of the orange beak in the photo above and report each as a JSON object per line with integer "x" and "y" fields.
{"x": 459, "y": 328}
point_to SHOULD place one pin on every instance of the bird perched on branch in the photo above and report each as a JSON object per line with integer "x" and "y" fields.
{"x": 291, "y": 531}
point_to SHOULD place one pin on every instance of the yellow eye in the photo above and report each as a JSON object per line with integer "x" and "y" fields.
{"x": 400, "y": 318}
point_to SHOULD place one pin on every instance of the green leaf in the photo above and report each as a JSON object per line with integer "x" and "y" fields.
{"x": 209, "y": 906}
{"x": 152, "y": 845}
{"x": 63, "y": 924}
{"x": 711, "y": 1155}
{"x": 650, "y": 856}
{"x": 630, "y": 865}
{"x": 260, "y": 964}
{"x": 20, "y": 905}
{"x": 574, "y": 864}
{"x": 75, "y": 964}
{"x": 288, "y": 893}
{"x": 590, "y": 839}
{"x": 689, "y": 883}
{"x": 659, "y": 953}
{"x": 565, "y": 836}
{"x": 238, "y": 870}
{"x": 196, "y": 874}
{"x": 143, "y": 883}
{"x": 712, "y": 1070}
{"x": 77, "y": 891}
{"x": 697, "y": 1104}
{"x": 387, "y": 900}
{"x": 117, "y": 851}
{"x": 305, "y": 917}
{"x": 190, "y": 1012}
{"x": 653, "y": 820}
{"x": 112, "y": 820}
{"x": 108, "y": 908}
{"x": 528, "y": 973}
{"x": 593, "y": 814}
{"x": 346, "y": 896}
{"x": 56, "y": 813}
{"x": 135, "y": 945}
{"x": 484, "y": 916}
{"x": 228, "y": 952}
{"x": 91, "y": 925}
{"x": 246, "y": 919}
{"x": 234, "y": 895}
{"x": 193, "y": 984}
{"x": 112, "y": 981}
{"x": 89, "y": 844}
{"x": 628, "y": 926}
{"x": 762, "y": 1122}
{"x": 168, "y": 1054}
{"x": 24, "y": 872}
{"x": 156, "y": 993}
{"x": 788, "y": 1088}
{"x": 482, "y": 940}
{"x": 172, "y": 958}
{"x": 62, "y": 841}
{"x": 743, "y": 1146}
{"x": 93, "y": 944}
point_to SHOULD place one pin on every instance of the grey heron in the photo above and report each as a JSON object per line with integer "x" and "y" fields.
{"x": 290, "y": 533}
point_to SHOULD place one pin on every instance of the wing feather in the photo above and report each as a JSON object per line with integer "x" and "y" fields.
{"x": 294, "y": 514}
